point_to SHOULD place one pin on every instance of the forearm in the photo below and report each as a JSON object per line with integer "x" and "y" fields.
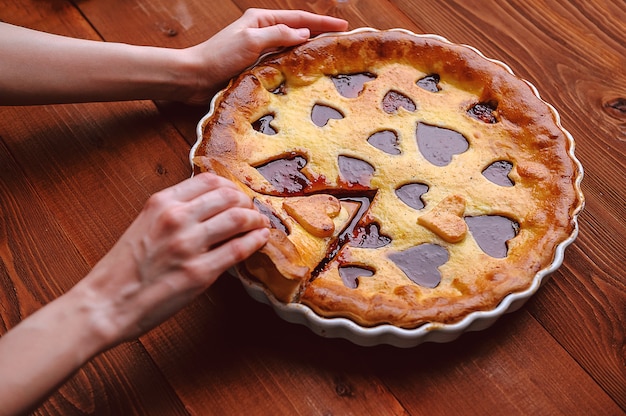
{"x": 41, "y": 352}
{"x": 41, "y": 68}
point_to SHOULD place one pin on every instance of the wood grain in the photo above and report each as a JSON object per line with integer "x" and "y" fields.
{"x": 37, "y": 264}
{"x": 73, "y": 177}
{"x": 577, "y": 73}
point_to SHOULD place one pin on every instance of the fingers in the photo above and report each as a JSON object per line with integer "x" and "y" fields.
{"x": 239, "y": 45}
{"x": 233, "y": 251}
{"x": 266, "y": 30}
{"x": 216, "y": 201}
{"x": 268, "y": 38}
{"x": 228, "y": 224}
{"x": 296, "y": 19}
{"x": 194, "y": 187}
{"x": 202, "y": 212}
{"x": 182, "y": 241}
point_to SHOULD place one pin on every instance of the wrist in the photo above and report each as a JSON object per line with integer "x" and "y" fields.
{"x": 190, "y": 82}
{"x": 96, "y": 313}
{"x": 41, "y": 352}
{"x": 152, "y": 73}
{"x": 81, "y": 320}
{"x": 189, "y": 78}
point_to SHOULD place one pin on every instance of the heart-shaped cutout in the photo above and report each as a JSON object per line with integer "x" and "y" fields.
{"x": 369, "y": 236}
{"x": 492, "y": 232}
{"x": 411, "y": 194}
{"x": 350, "y": 275}
{"x": 321, "y": 114}
{"x": 355, "y": 171}
{"x": 498, "y": 173}
{"x": 264, "y": 125}
{"x": 446, "y": 219}
{"x": 439, "y": 145}
{"x": 285, "y": 174}
{"x": 351, "y": 85}
{"x": 394, "y": 100}
{"x": 314, "y": 213}
{"x": 385, "y": 140}
{"x": 421, "y": 263}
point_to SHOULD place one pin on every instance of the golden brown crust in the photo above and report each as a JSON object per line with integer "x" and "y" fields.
{"x": 286, "y": 86}
{"x": 279, "y": 266}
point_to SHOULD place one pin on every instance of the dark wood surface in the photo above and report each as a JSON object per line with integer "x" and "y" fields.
{"x": 73, "y": 177}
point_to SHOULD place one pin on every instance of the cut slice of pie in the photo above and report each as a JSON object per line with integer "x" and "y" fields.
{"x": 408, "y": 180}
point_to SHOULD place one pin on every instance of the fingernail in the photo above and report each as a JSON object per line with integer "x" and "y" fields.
{"x": 303, "y": 33}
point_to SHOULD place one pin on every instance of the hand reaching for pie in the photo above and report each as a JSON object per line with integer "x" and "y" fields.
{"x": 113, "y": 71}
{"x": 241, "y": 43}
{"x": 183, "y": 239}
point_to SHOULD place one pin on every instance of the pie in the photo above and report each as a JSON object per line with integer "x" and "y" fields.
{"x": 408, "y": 180}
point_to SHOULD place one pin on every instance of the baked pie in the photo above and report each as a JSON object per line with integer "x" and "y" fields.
{"x": 408, "y": 180}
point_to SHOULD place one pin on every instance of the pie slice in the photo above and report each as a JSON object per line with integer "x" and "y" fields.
{"x": 408, "y": 180}
{"x": 316, "y": 222}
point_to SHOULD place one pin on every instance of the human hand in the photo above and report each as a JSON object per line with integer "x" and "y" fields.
{"x": 106, "y": 71}
{"x": 183, "y": 240}
{"x": 240, "y": 44}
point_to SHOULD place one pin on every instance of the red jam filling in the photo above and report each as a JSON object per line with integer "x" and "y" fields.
{"x": 368, "y": 236}
{"x": 350, "y": 86}
{"x": 483, "y": 112}
{"x": 421, "y": 263}
{"x": 320, "y": 114}
{"x": 263, "y": 125}
{"x": 385, "y": 140}
{"x": 491, "y": 233}
{"x": 280, "y": 90}
{"x": 498, "y": 173}
{"x": 439, "y": 145}
{"x": 275, "y": 221}
{"x": 411, "y": 194}
{"x": 394, "y": 100}
{"x": 350, "y": 275}
{"x": 285, "y": 175}
{"x": 355, "y": 171}
{"x": 429, "y": 83}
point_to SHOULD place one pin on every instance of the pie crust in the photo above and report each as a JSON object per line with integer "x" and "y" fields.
{"x": 387, "y": 161}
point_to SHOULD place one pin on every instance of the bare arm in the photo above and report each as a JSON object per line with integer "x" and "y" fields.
{"x": 42, "y": 68}
{"x": 186, "y": 235}
{"x": 183, "y": 240}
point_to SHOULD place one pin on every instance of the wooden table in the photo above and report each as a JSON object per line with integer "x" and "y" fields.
{"x": 73, "y": 177}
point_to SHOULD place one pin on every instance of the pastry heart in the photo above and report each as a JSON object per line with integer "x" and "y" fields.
{"x": 314, "y": 213}
{"x": 446, "y": 219}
